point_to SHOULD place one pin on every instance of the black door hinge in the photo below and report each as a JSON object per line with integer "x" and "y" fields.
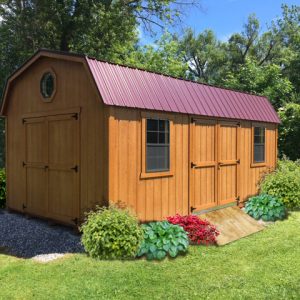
{"x": 24, "y": 164}
{"x": 75, "y": 169}
{"x": 238, "y": 161}
{"x": 193, "y": 208}
{"x": 75, "y": 116}
{"x": 193, "y": 165}
{"x": 23, "y": 121}
{"x": 24, "y": 206}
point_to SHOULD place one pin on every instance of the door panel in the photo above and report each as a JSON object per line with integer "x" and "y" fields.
{"x": 63, "y": 169}
{"x": 36, "y": 191}
{"x": 36, "y": 176}
{"x": 228, "y": 161}
{"x": 214, "y": 160}
{"x": 204, "y": 162}
{"x": 52, "y": 166}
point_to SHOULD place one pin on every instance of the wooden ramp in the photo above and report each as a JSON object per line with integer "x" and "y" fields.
{"x": 232, "y": 223}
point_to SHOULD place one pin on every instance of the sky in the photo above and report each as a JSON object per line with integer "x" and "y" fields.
{"x": 225, "y": 17}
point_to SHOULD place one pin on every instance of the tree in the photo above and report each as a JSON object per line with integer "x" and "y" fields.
{"x": 165, "y": 56}
{"x": 204, "y": 55}
{"x": 289, "y": 131}
{"x": 264, "y": 80}
{"x": 104, "y": 29}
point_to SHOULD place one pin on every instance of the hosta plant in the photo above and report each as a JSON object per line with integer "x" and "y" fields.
{"x": 265, "y": 207}
{"x": 163, "y": 239}
{"x": 111, "y": 233}
{"x": 199, "y": 231}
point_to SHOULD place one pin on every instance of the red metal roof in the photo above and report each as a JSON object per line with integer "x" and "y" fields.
{"x": 129, "y": 87}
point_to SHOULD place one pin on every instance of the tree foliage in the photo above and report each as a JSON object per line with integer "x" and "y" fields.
{"x": 289, "y": 131}
{"x": 262, "y": 62}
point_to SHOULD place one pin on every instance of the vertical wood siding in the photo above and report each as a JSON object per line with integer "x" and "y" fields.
{"x": 250, "y": 176}
{"x": 156, "y": 198}
{"x": 150, "y": 198}
{"x": 74, "y": 90}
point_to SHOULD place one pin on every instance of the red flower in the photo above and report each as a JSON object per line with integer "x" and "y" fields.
{"x": 199, "y": 231}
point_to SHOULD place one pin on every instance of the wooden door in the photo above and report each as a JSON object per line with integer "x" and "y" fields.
{"x": 63, "y": 167}
{"x": 227, "y": 162}
{"x": 35, "y": 162}
{"x": 214, "y": 160}
{"x": 203, "y": 187}
{"x": 52, "y": 166}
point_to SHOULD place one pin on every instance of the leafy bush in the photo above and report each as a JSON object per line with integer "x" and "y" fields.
{"x": 289, "y": 130}
{"x": 2, "y": 188}
{"x": 265, "y": 207}
{"x": 284, "y": 183}
{"x": 162, "y": 239}
{"x": 111, "y": 233}
{"x": 199, "y": 231}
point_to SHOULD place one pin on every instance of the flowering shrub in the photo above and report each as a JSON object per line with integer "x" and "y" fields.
{"x": 199, "y": 231}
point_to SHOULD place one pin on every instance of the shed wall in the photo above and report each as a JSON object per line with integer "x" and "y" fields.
{"x": 156, "y": 198}
{"x": 150, "y": 198}
{"x": 74, "y": 91}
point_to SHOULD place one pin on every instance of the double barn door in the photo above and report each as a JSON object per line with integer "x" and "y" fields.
{"x": 214, "y": 163}
{"x": 52, "y": 166}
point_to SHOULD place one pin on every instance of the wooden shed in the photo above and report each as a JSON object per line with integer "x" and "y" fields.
{"x": 82, "y": 132}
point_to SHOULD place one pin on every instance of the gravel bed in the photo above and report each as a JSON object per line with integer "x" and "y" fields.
{"x": 27, "y": 238}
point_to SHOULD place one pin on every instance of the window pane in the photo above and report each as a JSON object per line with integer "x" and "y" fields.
{"x": 256, "y": 130}
{"x": 158, "y": 158}
{"x": 259, "y": 153}
{"x": 259, "y": 144}
{"x": 164, "y": 138}
{"x": 152, "y": 137}
{"x": 157, "y": 152}
{"x": 162, "y": 125}
{"x": 152, "y": 125}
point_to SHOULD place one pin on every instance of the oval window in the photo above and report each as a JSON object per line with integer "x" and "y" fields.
{"x": 47, "y": 85}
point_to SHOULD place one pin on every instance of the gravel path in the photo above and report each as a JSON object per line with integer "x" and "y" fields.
{"x": 27, "y": 238}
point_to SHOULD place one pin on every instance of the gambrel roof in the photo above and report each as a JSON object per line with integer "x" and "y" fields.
{"x": 120, "y": 85}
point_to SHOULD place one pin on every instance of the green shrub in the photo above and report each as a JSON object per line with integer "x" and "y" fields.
{"x": 2, "y": 188}
{"x": 289, "y": 130}
{"x": 284, "y": 183}
{"x": 265, "y": 207}
{"x": 162, "y": 239}
{"x": 111, "y": 233}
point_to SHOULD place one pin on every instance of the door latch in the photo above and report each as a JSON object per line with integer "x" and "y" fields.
{"x": 193, "y": 208}
{"x": 75, "y": 169}
{"x": 193, "y": 165}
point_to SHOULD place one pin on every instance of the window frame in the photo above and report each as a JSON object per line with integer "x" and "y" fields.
{"x": 48, "y": 99}
{"x": 156, "y": 174}
{"x": 255, "y": 164}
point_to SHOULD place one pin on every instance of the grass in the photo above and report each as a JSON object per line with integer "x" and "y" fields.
{"x": 263, "y": 266}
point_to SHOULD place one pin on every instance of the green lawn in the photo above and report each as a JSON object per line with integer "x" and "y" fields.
{"x": 263, "y": 266}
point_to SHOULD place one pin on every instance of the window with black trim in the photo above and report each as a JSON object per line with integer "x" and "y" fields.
{"x": 157, "y": 145}
{"x": 259, "y": 145}
{"x": 47, "y": 85}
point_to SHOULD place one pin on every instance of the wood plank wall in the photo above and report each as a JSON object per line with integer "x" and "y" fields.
{"x": 150, "y": 198}
{"x": 250, "y": 176}
{"x": 74, "y": 90}
{"x": 156, "y": 198}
